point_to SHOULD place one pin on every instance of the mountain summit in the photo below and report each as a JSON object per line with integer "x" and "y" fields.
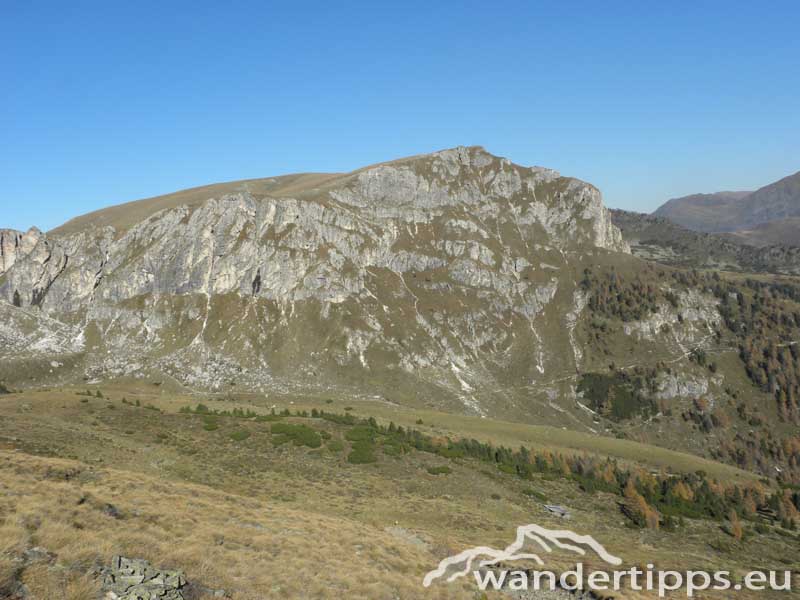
{"x": 432, "y": 276}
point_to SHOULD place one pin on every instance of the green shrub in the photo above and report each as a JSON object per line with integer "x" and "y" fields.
{"x": 362, "y": 452}
{"x": 345, "y": 419}
{"x": 335, "y": 445}
{"x": 391, "y": 450}
{"x": 720, "y": 545}
{"x": 393, "y": 447}
{"x": 239, "y": 435}
{"x": 617, "y": 395}
{"x": 360, "y": 433}
{"x": 443, "y": 470}
{"x": 210, "y": 424}
{"x": 268, "y": 418}
{"x": 299, "y": 435}
{"x": 450, "y": 452}
{"x": 535, "y": 494}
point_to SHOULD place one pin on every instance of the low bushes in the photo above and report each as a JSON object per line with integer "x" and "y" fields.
{"x": 362, "y": 452}
{"x": 443, "y": 470}
{"x": 299, "y": 435}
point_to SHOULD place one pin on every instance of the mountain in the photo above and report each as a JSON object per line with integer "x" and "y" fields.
{"x": 455, "y": 281}
{"x": 779, "y": 200}
{"x": 433, "y": 279}
{"x": 704, "y": 212}
{"x": 659, "y": 239}
{"x": 782, "y": 231}
{"x": 735, "y": 211}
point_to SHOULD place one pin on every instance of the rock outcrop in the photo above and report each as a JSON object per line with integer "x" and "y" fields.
{"x": 424, "y": 276}
{"x": 15, "y": 245}
{"x": 136, "y": 579}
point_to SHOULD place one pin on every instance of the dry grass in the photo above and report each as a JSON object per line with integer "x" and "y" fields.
{"x": 123, "y": 216}
{"x": 265, "y": 521}
{"x": 254, "y": 549}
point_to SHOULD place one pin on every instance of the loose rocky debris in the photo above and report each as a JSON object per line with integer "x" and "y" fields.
{"x": 136, "y": 579}
{"x": 557, "y": 510}
{"x": 557, "y": 594}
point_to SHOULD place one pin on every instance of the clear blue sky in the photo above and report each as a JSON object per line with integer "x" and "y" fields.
{"x": 104, "y": 102}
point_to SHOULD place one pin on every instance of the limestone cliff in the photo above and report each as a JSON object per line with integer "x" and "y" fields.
{"x": 433, "y": 275}
{"x": 15, "y": 245}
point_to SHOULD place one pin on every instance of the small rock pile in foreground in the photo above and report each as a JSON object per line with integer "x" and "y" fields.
{"x": 136, "y": 579}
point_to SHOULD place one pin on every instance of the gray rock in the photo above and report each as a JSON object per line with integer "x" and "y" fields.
{"x": 438, "y": 270}
{"x": 136, "y": 579}
{"x": 16, "y": 245}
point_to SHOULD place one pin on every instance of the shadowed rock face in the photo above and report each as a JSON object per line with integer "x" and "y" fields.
{"x": 436, "y": 270}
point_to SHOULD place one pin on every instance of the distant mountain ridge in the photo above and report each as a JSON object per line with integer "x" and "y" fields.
{"x": 701, "y": 212}
{"x": 727, "y": 212}
{"x": 659, "y": 239}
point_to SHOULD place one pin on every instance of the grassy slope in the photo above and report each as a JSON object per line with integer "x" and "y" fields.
{"x": 498, "y": 432}
{"x": 124, "y": 216}
{"x": 299, "y": 185}
{"x": 265, "y": 521}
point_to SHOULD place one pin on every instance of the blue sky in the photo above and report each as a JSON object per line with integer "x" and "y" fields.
{"x": 104, "y": 102}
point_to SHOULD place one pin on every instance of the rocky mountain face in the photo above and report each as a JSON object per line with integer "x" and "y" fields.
{"x": 447, "y": 278}
{"x": 15, "y": 245}
{"x": 739, "y": 211}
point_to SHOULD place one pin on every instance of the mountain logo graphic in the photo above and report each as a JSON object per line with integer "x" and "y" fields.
{"x": 546, "y": 539}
